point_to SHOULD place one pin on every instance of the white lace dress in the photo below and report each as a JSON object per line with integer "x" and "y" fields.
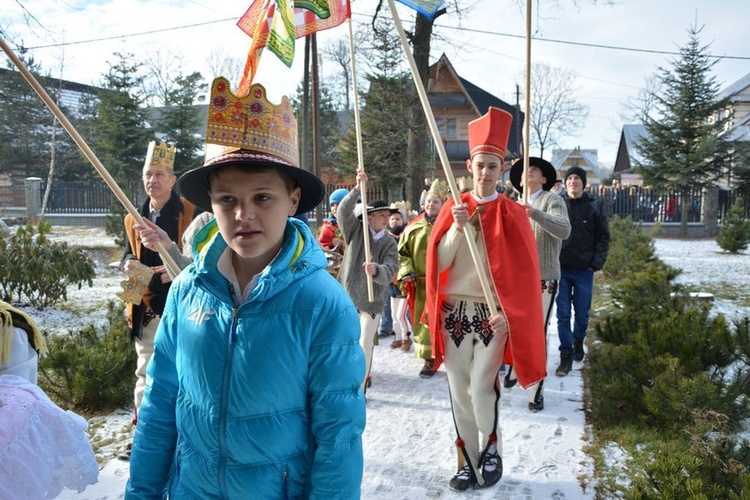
{"x": 43, "y": 448}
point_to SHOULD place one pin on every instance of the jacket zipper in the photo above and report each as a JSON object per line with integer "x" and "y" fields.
{"x": 223, "y": 407}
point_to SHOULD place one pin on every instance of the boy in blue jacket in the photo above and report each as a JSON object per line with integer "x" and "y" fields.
{"x": 253, "y": 389}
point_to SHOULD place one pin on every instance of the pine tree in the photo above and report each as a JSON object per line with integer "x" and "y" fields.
{"x": 118, "y": 132}
{"x": 735, "y": 231}
{"x": 181, "y": 118}
{"x": 384, "y": 114}
{"x": 684, "y": 151}
{"x": 25, "y": 124}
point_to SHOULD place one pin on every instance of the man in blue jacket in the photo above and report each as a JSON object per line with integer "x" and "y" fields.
{"x": 253, "y": 388}
{"x": 582, "y": 254}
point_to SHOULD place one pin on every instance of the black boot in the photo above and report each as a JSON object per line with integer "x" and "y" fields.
{"x": 578, "y": 350}
{"x": 566, "y": 364}
{"x": 509, "y": 382}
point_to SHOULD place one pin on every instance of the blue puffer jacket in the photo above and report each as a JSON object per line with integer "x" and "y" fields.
{"x": 260, "y": 401}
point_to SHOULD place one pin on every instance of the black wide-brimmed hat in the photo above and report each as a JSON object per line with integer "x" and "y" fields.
{"x": 249, "y": 131}
{"x": 548, "y": 171}
{"x": 194, "y": 185}
{"x": 377, "y": 205}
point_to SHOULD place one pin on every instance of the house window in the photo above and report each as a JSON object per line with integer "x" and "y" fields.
{"x": 447, "y": 127}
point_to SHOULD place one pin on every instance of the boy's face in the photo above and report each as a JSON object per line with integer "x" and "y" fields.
{"x": 379, "y": 220}
{"x": 395, "y": 220}
{"x": 334, "y": 209}
{"x": 485, "y": 170}
{"x": 251, "y": 208}
{"x": 432, "y": 204}
{"x": 536, "y": 179}
{"x": 574, "y": 186}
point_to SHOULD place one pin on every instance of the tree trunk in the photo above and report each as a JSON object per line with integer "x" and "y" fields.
{"x": 417, "y": 147}
{"x": 684, "y": 213}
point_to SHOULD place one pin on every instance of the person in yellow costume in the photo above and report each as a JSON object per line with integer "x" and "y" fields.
{"x": 412, "y": 266}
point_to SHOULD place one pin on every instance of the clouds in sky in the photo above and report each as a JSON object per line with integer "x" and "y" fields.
{"x": 485, "y": 44}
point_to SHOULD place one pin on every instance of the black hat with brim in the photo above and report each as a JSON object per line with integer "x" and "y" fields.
{"x": 378, "y": 205}
{"x": 194, "y": 184}
{"x": 548, "y": 172}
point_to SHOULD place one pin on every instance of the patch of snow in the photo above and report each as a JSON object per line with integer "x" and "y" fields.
{"x": 408, "y": 441}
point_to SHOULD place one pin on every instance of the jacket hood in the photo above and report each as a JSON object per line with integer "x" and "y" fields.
{"x": 299, "y": 256}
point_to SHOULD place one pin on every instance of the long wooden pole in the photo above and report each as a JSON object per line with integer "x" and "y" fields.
{"x": 360, "y": 161}
{"x": 172, "y": 268}
{"x": 467, "y": 229}
{"x": 527, "y": 104}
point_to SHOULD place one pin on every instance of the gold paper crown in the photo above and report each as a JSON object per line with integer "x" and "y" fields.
{"x": 161, "y": 155}
{"x": 402, "y": 206}
{"x": 252, "y": 123}
{"x": 440, "y": 188}
{"x": 465, "y": 183}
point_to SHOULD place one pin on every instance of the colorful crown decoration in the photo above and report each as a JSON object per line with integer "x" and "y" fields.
{"x": 440, "y": 188}
{"x": 252, "y": 123}
{"x": 161, "y": 155}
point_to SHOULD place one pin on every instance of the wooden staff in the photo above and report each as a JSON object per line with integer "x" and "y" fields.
{"x": 467, "y": 229}
{"x": 172, "y": 268}
{"x": 360, "y": 163}
{"x": 527, "y": 104}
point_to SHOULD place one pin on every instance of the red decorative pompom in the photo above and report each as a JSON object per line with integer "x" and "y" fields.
{"x": 460, "y": 443}
{"x": 493, "y": 438}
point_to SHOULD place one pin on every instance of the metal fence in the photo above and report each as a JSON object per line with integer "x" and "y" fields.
{"x": 640, "y": 203}
{"x": 645, "y": 204}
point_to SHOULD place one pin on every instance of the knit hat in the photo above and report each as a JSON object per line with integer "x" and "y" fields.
{"x": 576, "y": 171}
{"x": 337, "y": 195}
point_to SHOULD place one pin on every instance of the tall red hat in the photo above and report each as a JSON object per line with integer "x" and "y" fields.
{"x": 489, "y": 133}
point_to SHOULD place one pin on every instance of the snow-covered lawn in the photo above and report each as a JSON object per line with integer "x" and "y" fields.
{"x": 408, "y": 441}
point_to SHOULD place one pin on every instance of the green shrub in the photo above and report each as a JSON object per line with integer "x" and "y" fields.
{"x": 91, "y": 370}
{"x": 630, "y": 248}
{"x": 735, "y": 231}
{"x": 35, "y": 269}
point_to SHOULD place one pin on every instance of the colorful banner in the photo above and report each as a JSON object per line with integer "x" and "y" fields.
{"x": 276, "y": 24}
{"x": 428, "y": 8}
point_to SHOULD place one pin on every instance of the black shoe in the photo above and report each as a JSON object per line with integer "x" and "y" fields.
{"x": 463, "y": 479}
{"x": 507, "y": 381}
{"x": 578, "y": 350}
{"x": 492, "y": 466}
{"x": 537, "y": 405}
{"x": 566, "y": 364}
{"x": 125, "y": 455}
{"x": 427, "y": 371}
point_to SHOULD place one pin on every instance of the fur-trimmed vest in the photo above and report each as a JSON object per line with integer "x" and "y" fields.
{"x": 175, "y": 216}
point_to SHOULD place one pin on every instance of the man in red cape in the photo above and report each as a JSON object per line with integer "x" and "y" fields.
{"x": 464, "y": 333}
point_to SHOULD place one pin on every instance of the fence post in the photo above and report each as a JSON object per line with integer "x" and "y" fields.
{"x": 33, "y": 187}
{"x": 710, "y": 207}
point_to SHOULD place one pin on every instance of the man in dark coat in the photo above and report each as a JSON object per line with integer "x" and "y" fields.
{"x": 582, "y": 254}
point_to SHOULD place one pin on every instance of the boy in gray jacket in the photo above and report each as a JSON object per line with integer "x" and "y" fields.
{"x": 354, "y": 271}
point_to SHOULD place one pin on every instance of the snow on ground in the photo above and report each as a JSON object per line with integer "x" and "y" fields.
{"x": 408, "y": 442}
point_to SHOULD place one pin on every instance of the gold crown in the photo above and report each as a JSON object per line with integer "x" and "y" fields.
{"x": 465, "y": 183}
{"x": 252, "y": 123}
{"x": 440, "y": 188}
{"x": 161, "y": 155}
{"x": 402, "y": 206}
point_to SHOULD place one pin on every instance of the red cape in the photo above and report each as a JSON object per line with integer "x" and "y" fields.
{"x": 514, "y": 266}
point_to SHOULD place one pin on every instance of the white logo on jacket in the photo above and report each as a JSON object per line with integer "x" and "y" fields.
{"x": 201, "y": 315}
